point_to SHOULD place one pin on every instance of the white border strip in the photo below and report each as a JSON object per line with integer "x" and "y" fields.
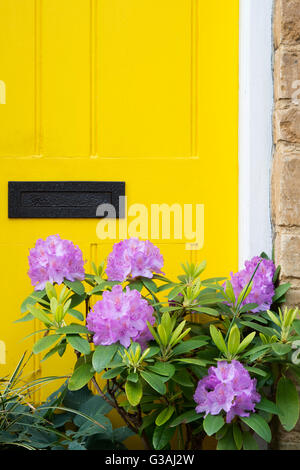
{"x": 255, "y": 127}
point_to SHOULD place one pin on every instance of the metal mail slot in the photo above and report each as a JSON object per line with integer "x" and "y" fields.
{"x": 64, "y": 199}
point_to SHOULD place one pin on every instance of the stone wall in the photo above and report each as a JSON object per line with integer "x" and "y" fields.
{"x": 286, "y": 162}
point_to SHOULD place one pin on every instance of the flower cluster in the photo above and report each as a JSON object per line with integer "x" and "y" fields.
{"x": 54, "y": 260}
{"x": 262, "y": 290}
{"x": 227, "y": 387}
{"x": 132, "y": 258}
{"x": 120, "y": 316}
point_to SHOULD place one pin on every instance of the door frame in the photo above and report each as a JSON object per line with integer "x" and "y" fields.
{"x": 255, "y": 127}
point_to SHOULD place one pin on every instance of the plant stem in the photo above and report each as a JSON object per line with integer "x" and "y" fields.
{"x": 101, "y": 393}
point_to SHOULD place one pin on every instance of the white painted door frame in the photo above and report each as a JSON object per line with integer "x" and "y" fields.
{"x": 255, "y": 127}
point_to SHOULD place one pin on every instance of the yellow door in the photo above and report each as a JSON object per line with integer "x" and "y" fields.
{"x": 140, "y": 91}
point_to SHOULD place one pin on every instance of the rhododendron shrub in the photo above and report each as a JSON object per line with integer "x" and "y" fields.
{"x": 120, "y": 316}
{"x": 262, "y": 291}
{"x": 53, "y": 260}
{"x": 229, "y": 388}
{"x": 179, "y": 359}
{"x": 133, "y": 258}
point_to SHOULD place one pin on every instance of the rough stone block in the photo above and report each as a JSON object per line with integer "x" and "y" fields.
{"x": 287, "y": 248}
{"x": 287, "y": 22}
{"x": 287, "y": 74}
{"x": 286, "y": 189}
{"x": 287, "y": 125}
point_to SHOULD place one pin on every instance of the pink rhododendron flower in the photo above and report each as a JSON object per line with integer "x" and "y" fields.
{"x": 54, "y": 260}
{"x": 227, "y": 387}
{"x": 263, "y": 290}
{"x": 132, "y": 258}
{"x": 120, "y": 316}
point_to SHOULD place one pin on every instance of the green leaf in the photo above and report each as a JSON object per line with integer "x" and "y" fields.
{"x": 259, "y": 425}
{"x": 187, "y": 346}
{"x": 248, "y": 308}
{"x": 81, "y": 376}
{"x": 147, "y": 421}
{"x": 76, "y": 314}
{"x": 276, "y": 274}
{"x": 45, "y": 343}
{"x": 26, "y": 317}
{"x": 238, "y": 436}
{"x": 267, "y": 405}
{"x": 287, "y": 401}
{"x": 191, "y": 360}
{"x": 227, "y": 442}
{"x": 162, "y": 368}
{"x": 264, "y": 255}
{"x": 31, "y": 301}
{"x": 78, "y": 343}
{"x": 212, "y": 424}
{"x": 134, "y": 392}
{"x": 76, "y": 300}
{"x": 207, "y": 300}
{"x": 161, "y": 278}
{"x": 296, "y": 325}
{"x": 229, "y": 292}
{"x": 166, "y": 286}
{"x": 183, "y": 378}
{"x": 177, "y": 332}
{"x": 136, "y": 285}
{"x": 280, "y": 291}
{"x": 259, "y": 353}
{"x": 122, "y": 433}
{"x": 39, "y": 314}
{"x": 234, "y": 340}
{"x": 154, "y": 381}
{"x": 112, "y": 373}
{"x": 59, "y": 348}
{"x": 175, "y": 291}
{"x": 275, "y": 318}
{"x": 162, "y": 436}
{"x": 75, "y": 286}
{"x": 257, "y": 349}
{"x": 249, "y": 443}
{"x": 162, "y": 334}
{"x": 257, "y": 371}
{"x": 168, "y": 323}
{"x": 72, "y": 329}
{"x": 164, "y": 415}
{"x": 221, "y": 433}
{"x": 213, "y": 279}
{"x": 207, "y": 310}
{"x": 149, "y": 284}
{"x": 186, "y": 332}
{"x": 255, "y": 317}
{"x": 153, "y": 350}
{"x": 50, "y": 290}
{"x": 153, "y": 332}
{"x": 133, "y": 377}
{"x": 187, "y": 417}
{"x": 244, "y": 293}
{"x": 246, "y": 341}
{"x": 280, "y": 349}
{"x": 218, "y": 339}
{"x": 97, "y": 289}
{"x": 103, "y": 355}
{"x": 263, "y": 329}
